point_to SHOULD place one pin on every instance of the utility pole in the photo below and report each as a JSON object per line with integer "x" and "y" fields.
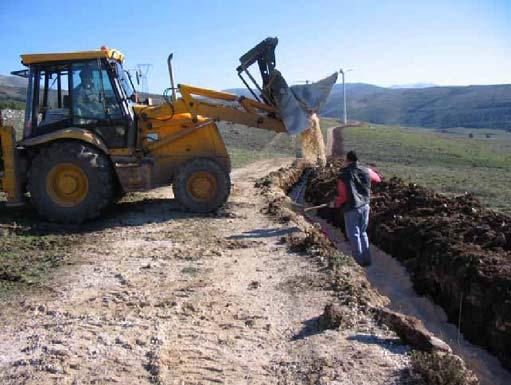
{"x": 345, "y": 112}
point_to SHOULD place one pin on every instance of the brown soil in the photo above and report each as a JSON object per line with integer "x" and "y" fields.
{"x": 458, "y": 252}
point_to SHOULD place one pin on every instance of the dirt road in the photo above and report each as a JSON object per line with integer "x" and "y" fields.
{"x": 157, "y": 296}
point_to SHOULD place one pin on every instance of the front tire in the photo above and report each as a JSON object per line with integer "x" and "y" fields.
{"x": 202, "y": 185}
{"x": 70, "y": 182}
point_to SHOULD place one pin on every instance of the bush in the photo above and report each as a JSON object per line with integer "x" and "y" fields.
{"x": 437, "y": 369}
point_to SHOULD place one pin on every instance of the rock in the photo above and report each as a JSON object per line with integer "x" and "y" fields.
{"x": 411, "y": 331}
{"x": 439, "y": 345}
{"x": 52, "y": 369}
{"x": 122, "y": 279}
{"x": 254, "y": 285}
{"x": 123, "y": 343}
{"x": 250, "y": 323}
{"x": 335, "y": 316}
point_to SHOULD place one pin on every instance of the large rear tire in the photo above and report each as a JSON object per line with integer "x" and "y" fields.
{"x": 70, "y": 182}
{"x": 202, "y": 185}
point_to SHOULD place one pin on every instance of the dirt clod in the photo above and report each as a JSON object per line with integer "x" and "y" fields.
{"x": 335, "y": 316}
{"x": 411, "y": 331}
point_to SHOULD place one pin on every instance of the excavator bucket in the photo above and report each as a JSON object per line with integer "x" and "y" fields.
{"x": 294, "y": 104}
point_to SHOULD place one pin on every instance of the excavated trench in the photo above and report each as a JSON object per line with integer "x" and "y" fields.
{"x": 445, "y": 261}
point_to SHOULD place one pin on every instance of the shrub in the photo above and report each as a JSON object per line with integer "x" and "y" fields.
{"x": 437, "y": 369}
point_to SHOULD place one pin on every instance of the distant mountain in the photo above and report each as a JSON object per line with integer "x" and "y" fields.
{"x": 414, "y": 85}
{"x": 432, "y": 107}
{"x": 241, "y": 92}
{"x": 13, "y": 81}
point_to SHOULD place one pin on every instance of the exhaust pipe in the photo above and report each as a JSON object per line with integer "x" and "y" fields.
{"x": 171, "y": 74}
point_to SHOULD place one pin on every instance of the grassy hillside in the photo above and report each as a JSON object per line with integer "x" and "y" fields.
{"x": 12, "y": 97}
{"x": 449, "y": 161}
{"x": 246, "y": 145}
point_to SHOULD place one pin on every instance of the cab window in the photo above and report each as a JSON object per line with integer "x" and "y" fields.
{"x": 77, "y": 94}
{"x": 53, "y": 93}
{"x": 88, "y": 98}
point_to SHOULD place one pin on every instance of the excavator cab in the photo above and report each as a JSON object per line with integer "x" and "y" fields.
{"x": 93, "y": 94}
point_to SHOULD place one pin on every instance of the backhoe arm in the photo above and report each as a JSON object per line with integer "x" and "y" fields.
{"x": 251, "y": 113}
{"x": 218, "y": 106}
{"x": 278, "y": 107}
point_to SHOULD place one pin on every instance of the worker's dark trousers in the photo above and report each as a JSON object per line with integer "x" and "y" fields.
{"x": 356, "y": 221}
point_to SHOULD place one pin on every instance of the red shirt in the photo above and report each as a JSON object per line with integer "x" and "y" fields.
{"x": 342, "y": 190}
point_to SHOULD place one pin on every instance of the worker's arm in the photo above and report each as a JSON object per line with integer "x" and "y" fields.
{"x": 375, "y": 177}
{"x": 342, "y": 194}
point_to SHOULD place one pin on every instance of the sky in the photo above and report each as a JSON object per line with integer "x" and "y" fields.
{"x": 384, "y": 42}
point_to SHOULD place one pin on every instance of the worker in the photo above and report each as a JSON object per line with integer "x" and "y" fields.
{"x": 353, "y": 195}
{"x": 86, "y": 97}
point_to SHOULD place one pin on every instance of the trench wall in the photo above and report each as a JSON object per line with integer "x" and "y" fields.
{"x": 457, "y": 251}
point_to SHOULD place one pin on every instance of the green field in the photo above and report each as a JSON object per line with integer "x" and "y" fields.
{"x": 448, "y": 161}
{"x": 246, "y": 144}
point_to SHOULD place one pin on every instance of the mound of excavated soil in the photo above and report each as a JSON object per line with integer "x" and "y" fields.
{"x": 458, "y": 252}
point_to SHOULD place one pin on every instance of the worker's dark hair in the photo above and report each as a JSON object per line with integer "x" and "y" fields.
{"x": 352, "y": 156}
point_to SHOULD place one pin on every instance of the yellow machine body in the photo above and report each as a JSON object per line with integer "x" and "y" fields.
{"x": 166, "y": 137}
{"x": 174, "y": 133}
{"x": 66, "y": 134}
{"x": 103, "y": 53}
{"x": 10, "y": 180}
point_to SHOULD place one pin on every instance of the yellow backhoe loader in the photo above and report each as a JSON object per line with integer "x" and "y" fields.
{"x": 87, "y": 139}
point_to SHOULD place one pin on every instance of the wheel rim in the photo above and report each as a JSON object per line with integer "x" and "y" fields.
{"x": 202, "y": 186}
{"x": 67, "y": 184}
